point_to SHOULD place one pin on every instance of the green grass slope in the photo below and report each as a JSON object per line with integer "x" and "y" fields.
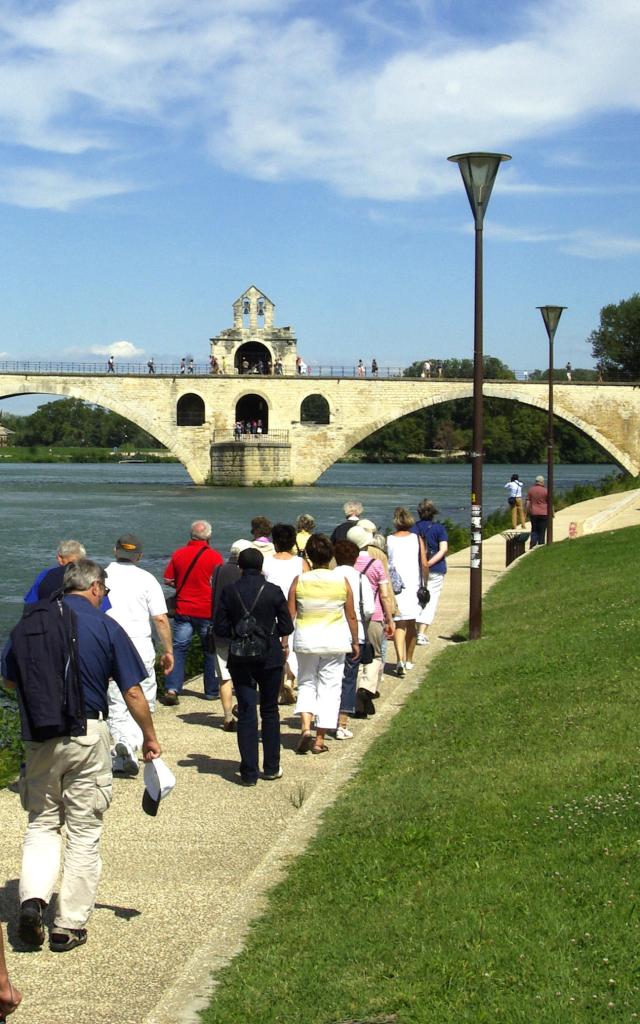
{"x": 484, "y": 864}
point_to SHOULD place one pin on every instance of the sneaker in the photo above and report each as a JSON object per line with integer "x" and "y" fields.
{"x": 245, "y": 781}
{"x": 124, "y": 763}
{"x": 272, "y": 776}
{"x": 229, "y": 726}
{"x": 408, "y": 665}
{"x": 400, "y": 670}
{"x": 63, "y": 939}
{"x": 31, "y": 925}
{"x": 343, "y": 733}
{"x": 422, "y": 639}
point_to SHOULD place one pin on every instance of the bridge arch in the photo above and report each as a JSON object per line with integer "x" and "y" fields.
{"x": 526, "y": 394}
{"x": 315, "y": 409}
{"x": 190, "y": 410}
{"x": 144, "y": 415}
{"x": 253, "y": 353}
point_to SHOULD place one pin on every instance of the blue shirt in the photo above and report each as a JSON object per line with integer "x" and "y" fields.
{"x": 104, "y": 651}
{"x": 31, "y": 595}
{"x": 432, "y": 533}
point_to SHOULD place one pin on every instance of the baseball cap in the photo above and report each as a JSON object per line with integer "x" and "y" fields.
{"x": 159, "y": 780}
{"x": 539, "y": 479}
{"x": 129, "y": 544}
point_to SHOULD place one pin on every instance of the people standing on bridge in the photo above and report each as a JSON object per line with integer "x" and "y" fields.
{"x": 436, "y": 541}
{"x": 374, "y": 368}
{"x": 426, "y": 369}
{"x": 214, "y": 365}
{"x": 537, "y": 506}
{"x": 183, "y": 366}
{"x": 191, "y": 366}
{"x": 352, "y": 512}
{"x": 278, "y": 367}
{"x": 111, "y": 365}
{"x": 67, "y": 779}
{"x": 439, "y": 371}
{"x": 569, "y": 372}
{"x": 360, "y": 369}
{"x": 151, "y": 366}
{"x": 189, "y": 571}
{"x": 514, "y": 497}
{"x": 137, "y": 602}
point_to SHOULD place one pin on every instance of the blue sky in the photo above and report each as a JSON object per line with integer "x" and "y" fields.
{"x": 158, "y": 157}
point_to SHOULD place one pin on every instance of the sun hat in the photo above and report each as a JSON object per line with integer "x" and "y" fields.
{"x": 359, "y": 536}
{"x": 539, "y": 479}
{"x": 159, "y": 780}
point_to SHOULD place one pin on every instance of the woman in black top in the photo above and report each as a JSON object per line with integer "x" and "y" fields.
{"x": 258, "y": 682}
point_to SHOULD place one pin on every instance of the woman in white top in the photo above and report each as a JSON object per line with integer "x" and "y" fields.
{"x": 282, "y": 568}
{"x": 514, "y": 497}
{"x": 406, "y": 553}
{"x": 326, "y": 629}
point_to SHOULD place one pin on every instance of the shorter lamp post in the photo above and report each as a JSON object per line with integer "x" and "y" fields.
{"x": 479, "y": 171}
{"x": 551, "y": 316}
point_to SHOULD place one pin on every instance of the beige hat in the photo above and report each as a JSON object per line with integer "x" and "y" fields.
{"x": 359, "y": 536}
{"x": 539, "y": 479}
{"x": 366, "y": 524}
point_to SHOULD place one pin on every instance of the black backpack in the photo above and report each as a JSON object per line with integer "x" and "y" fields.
{"x": 251, "y": 641}
{"x": 50, "y": 696}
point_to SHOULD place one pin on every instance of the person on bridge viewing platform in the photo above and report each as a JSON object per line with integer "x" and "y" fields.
{"x": 189, "y": 571}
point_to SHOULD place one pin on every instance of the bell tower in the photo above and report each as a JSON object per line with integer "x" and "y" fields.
{"x": 254, "y": 345}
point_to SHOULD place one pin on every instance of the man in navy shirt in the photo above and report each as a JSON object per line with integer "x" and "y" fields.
{"x": 50, "y": 580}
{"x": 67, "y": 779}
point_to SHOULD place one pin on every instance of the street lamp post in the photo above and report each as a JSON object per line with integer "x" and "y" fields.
{"x": 551, "y": 316}
{"x": 478, "y": 172}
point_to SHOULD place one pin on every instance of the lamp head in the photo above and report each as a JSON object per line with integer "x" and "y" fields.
{"x": 551, "y": 316}
{"x": 479, "y": 171}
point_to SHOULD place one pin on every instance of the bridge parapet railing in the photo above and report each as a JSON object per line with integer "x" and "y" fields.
{"x": 266, "y": 437}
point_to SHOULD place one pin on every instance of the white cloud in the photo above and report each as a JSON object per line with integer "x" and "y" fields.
{"x": 117, "y": 349}
{"x": 281, "y": 97}
{"x": 588, "y": 244}
{"x": 51, "y": 189}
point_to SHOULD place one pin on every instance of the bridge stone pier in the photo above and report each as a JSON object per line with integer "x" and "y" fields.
{"x": 194, "y": 416}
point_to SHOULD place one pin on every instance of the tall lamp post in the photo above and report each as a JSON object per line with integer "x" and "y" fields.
{"x": 551, "y": 316}
{"x": 478, "y": 172}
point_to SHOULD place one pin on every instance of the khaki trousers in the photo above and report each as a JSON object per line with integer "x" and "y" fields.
{"x": 370, "y": 675}
{"x": 67, "y": 781}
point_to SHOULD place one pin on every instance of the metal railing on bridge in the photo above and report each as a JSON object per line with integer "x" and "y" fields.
{"x": 266, "y": 437}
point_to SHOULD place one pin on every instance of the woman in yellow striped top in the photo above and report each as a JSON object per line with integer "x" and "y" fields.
{"x": 321, "y": 603}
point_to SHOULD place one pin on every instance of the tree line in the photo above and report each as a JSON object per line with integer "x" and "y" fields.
{"x": 72, "y": 423}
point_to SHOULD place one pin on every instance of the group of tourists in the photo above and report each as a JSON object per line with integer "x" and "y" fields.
{"x": 292, "y": 616}
{"x": 254, "y": 426}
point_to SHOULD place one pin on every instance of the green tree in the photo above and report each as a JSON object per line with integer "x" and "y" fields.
{"x": 462, "y": 369}
{"x": 73, "y": 423}
{"x": 615, "y": 344}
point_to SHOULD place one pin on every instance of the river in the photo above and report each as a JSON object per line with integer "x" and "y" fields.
{"x": 42, "y": 504}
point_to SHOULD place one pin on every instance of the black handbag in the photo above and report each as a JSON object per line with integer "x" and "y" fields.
{"x": 423, "y": 591}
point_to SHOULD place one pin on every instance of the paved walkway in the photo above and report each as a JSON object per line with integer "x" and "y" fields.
{"x": 170, "y": 908}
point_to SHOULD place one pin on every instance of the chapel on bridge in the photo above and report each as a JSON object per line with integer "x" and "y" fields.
{"x": 253, "y": 345}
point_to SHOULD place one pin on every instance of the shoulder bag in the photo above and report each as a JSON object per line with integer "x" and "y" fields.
{"x": 172, "y": 598}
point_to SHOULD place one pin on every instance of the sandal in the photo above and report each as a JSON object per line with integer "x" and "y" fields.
{"x": 319, "y": 750}
{"x": 305, "y": 743}
{"x": 62, "y": 939}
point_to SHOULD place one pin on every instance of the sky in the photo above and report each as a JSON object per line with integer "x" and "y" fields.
{"x": 159, "y": 157}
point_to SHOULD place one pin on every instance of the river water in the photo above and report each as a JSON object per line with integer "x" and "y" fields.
{"x": 42, "y": 504}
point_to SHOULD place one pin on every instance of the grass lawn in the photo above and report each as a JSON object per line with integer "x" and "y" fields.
{"x": 484, "y": 865}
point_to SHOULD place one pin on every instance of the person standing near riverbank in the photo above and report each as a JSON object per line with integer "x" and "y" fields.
{"x": 538, "y": 510}
{"x": 514, "y": 497}
{"x": 189, "y": 571}
{"x": 137, "y": 601}
{"x": 436, "y": 541}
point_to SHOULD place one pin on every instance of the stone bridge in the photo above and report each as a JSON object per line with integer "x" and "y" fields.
{"x": 310, "y": 422}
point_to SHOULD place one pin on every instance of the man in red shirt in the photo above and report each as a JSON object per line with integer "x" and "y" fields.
{"x": 537, "y": 506}
{"x": 189, "y": 571}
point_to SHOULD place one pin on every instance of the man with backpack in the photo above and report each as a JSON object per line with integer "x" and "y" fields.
{"x": 254, "y": 615}
{"x": 60, "y": 657}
